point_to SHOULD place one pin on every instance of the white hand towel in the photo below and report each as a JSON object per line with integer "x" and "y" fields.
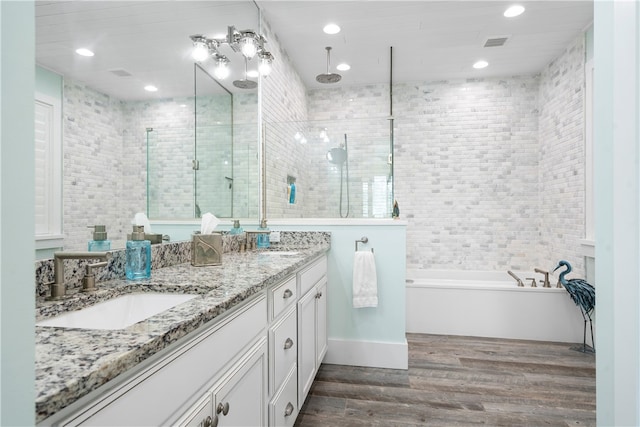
{"x": 365, "y": 280}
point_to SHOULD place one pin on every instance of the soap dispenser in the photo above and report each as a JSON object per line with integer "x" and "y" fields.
{"x": 99, "y": 242}
{"x": 138, "y": 255}
{"x": 262, "y": 240}
{"x": 236, "y": 227}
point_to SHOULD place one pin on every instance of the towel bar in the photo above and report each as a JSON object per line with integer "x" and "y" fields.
{"x": 363, "y": 239}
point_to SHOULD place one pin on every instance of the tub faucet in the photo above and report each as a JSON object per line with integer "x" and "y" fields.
{"x": 57, "y": 287}
{"x": 520, "y": 284}
{"x": 546, "y": 277}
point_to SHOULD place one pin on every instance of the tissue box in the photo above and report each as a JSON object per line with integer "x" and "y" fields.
{"x": 206, "y": 249}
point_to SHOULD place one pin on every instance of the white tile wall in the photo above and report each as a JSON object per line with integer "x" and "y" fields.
{"x": 489, "y": 173}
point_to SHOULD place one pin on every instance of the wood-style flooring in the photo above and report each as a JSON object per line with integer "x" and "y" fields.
{"x": 460, "y": 381}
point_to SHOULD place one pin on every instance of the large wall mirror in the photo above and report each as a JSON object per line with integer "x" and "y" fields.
{"x": 186, "y": 149}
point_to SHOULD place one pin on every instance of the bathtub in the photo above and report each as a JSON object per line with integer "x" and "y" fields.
{"x": 490, "y": 304}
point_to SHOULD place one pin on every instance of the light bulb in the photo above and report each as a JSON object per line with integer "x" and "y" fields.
{"x": 514, "y": 11}
{"x": 264, "y": 68}
{"x": 480, "y": 64}
{"x": 221, "y": 71}
{"x": 248, "y": 46}
{"x": 200, "y": 51}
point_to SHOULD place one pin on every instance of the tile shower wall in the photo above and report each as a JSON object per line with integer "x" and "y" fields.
{"x": 561, "y": 162}
{"x": 489, "y": 173}
{"x": 93, "y": 190}
{"x": 105, "y": 160}
{"x": 467, "y": 173}
{"x": 284, "y": 103}
{"x": 171, "y": 151}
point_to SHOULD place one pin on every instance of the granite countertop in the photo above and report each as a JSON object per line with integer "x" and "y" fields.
{"x": 70, "y": 363}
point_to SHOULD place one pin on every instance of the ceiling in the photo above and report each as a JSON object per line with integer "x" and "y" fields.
{"x": 431, "y": 40}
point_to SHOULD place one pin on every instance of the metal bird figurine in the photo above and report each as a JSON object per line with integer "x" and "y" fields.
{"x": 584, "y": 295}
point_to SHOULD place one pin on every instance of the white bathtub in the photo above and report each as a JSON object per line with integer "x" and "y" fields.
{"x": 490, "y": 304}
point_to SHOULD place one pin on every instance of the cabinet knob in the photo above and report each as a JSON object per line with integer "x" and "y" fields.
{"x": 210, "y": 422}
{"x": 223, "y": 408}
{"x": 288, "y": 410}
{"x": 287, "y": 294}
{"x": 288, "y": 343}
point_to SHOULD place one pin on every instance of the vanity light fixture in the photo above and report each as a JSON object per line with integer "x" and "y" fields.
{"x": 247, "y": 42}
{"x": 84, "y": 52}
{"x": 150, "y": 88}
{"x": 331, "y": 29}
{"x": 514, "y": 11}
{"x": 480, "y": 64}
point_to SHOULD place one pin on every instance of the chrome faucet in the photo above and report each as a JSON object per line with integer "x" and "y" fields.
{"x": 546, "y": 283}
{"x": 58, "y": 288}
{"x": 520, "y": 284}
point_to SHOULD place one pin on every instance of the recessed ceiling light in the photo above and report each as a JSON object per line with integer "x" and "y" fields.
{"x": 343, "y": 67}
{"x": 253, "y": 73}
{"x": 331, "y": 29}
{"x": 480, "y": 64}
{"x": 84, "y": 52}
{"x": 150, "y": 88}
{"x": 514, "y": 10}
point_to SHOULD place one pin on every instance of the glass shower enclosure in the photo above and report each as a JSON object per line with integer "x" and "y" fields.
{"x": 329, "y": 169}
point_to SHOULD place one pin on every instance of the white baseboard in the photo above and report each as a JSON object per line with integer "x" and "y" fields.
{"x": 368, "y": 353}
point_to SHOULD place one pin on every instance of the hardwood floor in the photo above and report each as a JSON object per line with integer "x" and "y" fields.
{"x": 460, "y": 381}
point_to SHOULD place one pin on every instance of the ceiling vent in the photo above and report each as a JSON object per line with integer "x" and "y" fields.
{"x": 121, "y": 73}
{"x": 496, "y": 41}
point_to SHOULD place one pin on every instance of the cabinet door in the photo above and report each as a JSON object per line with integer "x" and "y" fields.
{"x": 321, "y": 322}
{"x": 306, "y": 344}
{"x": 240, "y": 398}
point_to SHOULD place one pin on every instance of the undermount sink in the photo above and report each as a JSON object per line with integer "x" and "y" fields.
{"x": 118, "y": 313}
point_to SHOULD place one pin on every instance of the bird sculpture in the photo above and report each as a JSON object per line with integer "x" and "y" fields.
{"x": 584, "y": 296}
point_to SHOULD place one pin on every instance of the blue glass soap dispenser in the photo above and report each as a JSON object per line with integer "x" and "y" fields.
{"x": 138, "y": 255}
{"x": 262, "y": 239}
{"x": 99, "y": 242}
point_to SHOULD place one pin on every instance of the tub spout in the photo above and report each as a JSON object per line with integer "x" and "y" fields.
{"x": 520, "y": 284}
{"x": 546, "y": 277}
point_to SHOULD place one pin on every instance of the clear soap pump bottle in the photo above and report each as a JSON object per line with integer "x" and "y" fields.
{"x": 236, "y": 228}
{"x": 99, "y": 242}
{"x": 138, "y": 254}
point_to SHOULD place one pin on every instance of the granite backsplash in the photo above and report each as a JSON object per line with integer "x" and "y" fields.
{"x": 162, "y": 255}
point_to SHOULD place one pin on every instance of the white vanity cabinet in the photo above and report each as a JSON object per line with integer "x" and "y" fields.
{"x": 155, "y": 394}
{"x": 252, "y": 367}
{"x": 312, "y": 324}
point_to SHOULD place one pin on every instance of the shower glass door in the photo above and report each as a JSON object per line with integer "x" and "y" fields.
{"x": 213, "y": 162}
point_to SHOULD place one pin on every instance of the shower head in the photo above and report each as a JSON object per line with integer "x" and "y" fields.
{"x": 337, "y": 155}
{"x": 245, "y": 83}
{"x": 328, "y": 77}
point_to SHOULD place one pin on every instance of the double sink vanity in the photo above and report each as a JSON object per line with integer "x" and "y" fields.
{"x": 231, "y": 345}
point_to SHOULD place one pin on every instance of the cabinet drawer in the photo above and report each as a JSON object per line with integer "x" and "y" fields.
{"x": 282, "y": 296}
{"x": 311, "y": 275}
{"x": 284, "y": 347}
{"x": 283, "y": 409}
{"x": 197, "y": 416}
{"x": 147, "y": 400}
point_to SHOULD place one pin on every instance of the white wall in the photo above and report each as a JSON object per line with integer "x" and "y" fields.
{"x": 17, "y": 198}
{"x": 617, "y": 216}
